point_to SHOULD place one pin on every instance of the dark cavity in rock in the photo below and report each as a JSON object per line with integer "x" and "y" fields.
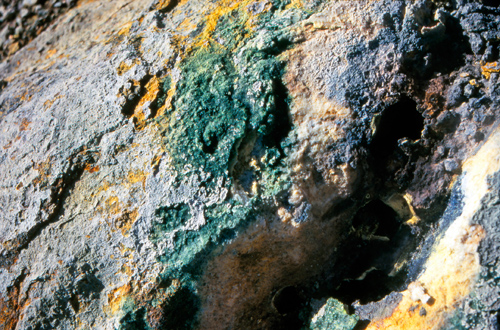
{"x": 400, "y": 120}
{"x": 379, "y": 240}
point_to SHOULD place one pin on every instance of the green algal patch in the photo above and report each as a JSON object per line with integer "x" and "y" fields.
{"x": 229, "y": 91}
{"x": 171, "y": 218}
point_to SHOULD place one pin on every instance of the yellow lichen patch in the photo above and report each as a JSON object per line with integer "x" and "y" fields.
{"x": 453, "y": 266}
{"x": 124, "y": 66}
{"x": 126, "y": 270}
{"x": 104, "y": 186}
{"x": 186, "y": 25}
{"x": 168, "y": 101}
{"x": 165, "y": 4}
{"x": 489, "y": 68}
{"x": 295, "y": 4}
{"x": 118, "y": 216}
{"x": 125, "y": 29}
{"x": 137, "y": 176}
{"x": 223, "y": 7}
{"x": 117, "y": 297}
{"x": 49, "y": 103}
{"x": 50, "y": 53}
{"x": 113, "y": 205}
{"x": 26, "y": 96}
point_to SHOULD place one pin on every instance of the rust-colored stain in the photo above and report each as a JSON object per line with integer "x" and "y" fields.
{"x": 47, "y": 104}
{"x": 43, "y": 172}
{"x": 434, "y": 100}
{"x": 24, "y": 126}
{"x": 11, "y": 304}
{"x": 295, "y": 4}
{"x": 8, "y": 145}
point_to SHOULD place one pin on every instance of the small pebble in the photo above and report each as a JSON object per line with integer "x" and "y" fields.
{"x": 422, "y": 312}
{"x": 450, "y": 165}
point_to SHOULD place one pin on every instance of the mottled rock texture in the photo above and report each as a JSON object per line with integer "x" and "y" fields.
{"x": 254, "y": 164}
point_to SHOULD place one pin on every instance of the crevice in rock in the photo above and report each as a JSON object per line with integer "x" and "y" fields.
{"x": 60, "y": 191}
{"x": 281, "y": 124}
{"x": 160, "y": 98}
{"x": 75, "y": 303}
{"x": 361, "y": 325}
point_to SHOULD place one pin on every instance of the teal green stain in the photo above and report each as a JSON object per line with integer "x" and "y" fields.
{"x": 171, "y": 218}
{"x": 227, "y": 92}
{"x": 333, "y": 316}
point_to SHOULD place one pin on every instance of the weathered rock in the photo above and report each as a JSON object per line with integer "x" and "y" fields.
{"x": 250, "y": 165}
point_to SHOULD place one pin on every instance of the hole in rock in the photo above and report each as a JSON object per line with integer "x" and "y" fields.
{"x": 379, "y": 241}
{"x": 398, "y": 121}
{"x": 287, "y": 300}
{"x": 491, "y": 3}
{"x": 210, "y": 146}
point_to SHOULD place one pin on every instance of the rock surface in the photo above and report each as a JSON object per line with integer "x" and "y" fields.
{"x": 255, "y": 164}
